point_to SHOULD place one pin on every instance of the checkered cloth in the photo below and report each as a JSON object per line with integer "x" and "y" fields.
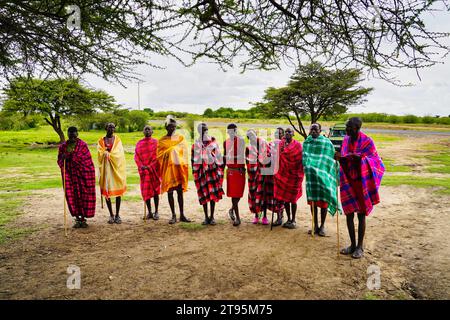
{"x": 289, "y": 177}
{"x": 320, "y": 171}
{"x": 145, "y": 155}
{"x": 260, "y": 186}
{"x": 207, "y": 169}
{"x": 80, "y": 179}
{"x": 366, "y": 171}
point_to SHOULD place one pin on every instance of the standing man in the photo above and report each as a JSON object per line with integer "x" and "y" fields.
{"x": 257, "y": 157}
{"x": 360, "y": 177}
{"x": 79, "y": 179}
{"x": 320, "y": 172}
{"x": 234, "y": 159}
{"x": 207, "y": 171}
{"x": 111, "y": 160}
{"x": 173, "y": 163}
{"x": 148, "y": 167}
{"x": 274, "y": 146}
{"x": 289, "y": 178}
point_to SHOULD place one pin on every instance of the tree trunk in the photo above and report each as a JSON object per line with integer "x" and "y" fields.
{"x": 56, "y": 125}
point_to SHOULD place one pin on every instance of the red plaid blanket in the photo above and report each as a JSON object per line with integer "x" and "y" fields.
{"x": 289, "y": 177}
{"x": 145, "y": 155}
{"x": 360, "y": 177}
{"x": 207, "y": 170}
{"x": 80, "y": 179}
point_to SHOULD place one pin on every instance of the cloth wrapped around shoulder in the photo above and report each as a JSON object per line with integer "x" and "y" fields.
{"x": 112, "y": 168}
{"x": 172, "y": 156}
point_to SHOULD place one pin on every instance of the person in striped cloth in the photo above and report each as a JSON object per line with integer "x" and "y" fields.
{"x": 148, "y": 168}
{"x": 75, "y": 162}
{"x": 207, "y": 169}
{"x": 360, "y": 177}
{"x": 321, "y": 176}
{"x": 288, "y": 180}
{"x": 260, "y": 190}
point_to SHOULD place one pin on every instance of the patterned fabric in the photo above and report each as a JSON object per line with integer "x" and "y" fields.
{"x": 172, "y": 155}
{"x": 260, "y": 185}
{"x": 361, "y": 177}
{"x": 235, "y": 162}
{"x": 289, "y": 178}
{"x": 79, "y": 179}
{"x": 274, "y": 149}
{"x": 112, "y": 168}
{"x": 320, "y": 171}
{"x": 145, "y": 155}
{"x": 207, "y": 169}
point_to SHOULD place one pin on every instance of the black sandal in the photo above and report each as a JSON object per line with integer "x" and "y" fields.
{"x": 173, "y": 220}
{"x": 236, "y": 223}
{"x": 118, "y": 220}
{"x": 286, "y": 224}
{"x": 184, "y": 219}
{"x": 212, "y": 222}
{"x": 358, "y": 254}
{"x": 111, "y": 220}
{"x": 205, "y": 222}
{"x": 156, "y": 216}
{"x": 348, "y": 250}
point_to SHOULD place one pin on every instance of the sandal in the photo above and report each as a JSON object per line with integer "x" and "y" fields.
{"x": 118, "y": 220}
{"x": 212, "y": 222}
{"x": 173, "y": 220}
{"x": 292, "y": 225}
{"x": 265, "y": 221}
{"x": 236, "y": 223}
{"x": 84, "y": 224}
{"x": 286, "y": 224}
{"x": 149, "y": 216}
{"x": 184, "y": 219}
{"x": 315, "y": 232}
{"x": 111, "y": 220}
{"x": 348, "y": 250}
{"x": 358, "y": 254}
{"x": 77, "y": 224}
{"x": 205, "y": 222}
{"x": 322, "y": 232}
{"x": 231, "y": 214}
{"x": 156, "y": 216}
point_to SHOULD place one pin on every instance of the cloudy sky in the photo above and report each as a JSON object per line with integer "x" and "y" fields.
{"x": 206, "y": 86}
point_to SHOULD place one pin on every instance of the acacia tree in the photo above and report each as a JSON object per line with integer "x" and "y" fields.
{"x": 116, "y": 35}
{"x": 315, "y": 91}
{"x": 55, "y": 98}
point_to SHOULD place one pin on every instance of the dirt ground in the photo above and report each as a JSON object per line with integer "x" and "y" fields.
{"x": 406, "y": 236}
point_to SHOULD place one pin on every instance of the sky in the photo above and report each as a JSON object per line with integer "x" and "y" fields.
{"x": 204, "y": 85}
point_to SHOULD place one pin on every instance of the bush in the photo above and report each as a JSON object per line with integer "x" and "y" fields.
{"x": 429, "y": 119}
{"x": 17, "y": 121}
{"x": 137, "y": 120}
{"x": 410, "y": 118}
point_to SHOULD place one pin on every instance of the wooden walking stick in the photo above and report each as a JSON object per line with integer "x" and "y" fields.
{"x": 337, "y": 209}
{"x": 65, "y": 207}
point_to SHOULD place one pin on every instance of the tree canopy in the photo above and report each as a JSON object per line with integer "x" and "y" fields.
{"x": 315, "y": 91}
{"x": 115, "y": 36}
{"x": 55, "y": 98}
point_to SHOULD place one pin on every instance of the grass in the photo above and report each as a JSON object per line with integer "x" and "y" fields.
{"x": 191, "y": 226}
{"x": 442, "y": 184}
{"x": 10, "y": 208}
{"x": 370, "y": 296}
{"x": 390, "y": 166}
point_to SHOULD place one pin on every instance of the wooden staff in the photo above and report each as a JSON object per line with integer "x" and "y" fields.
{"x": 65, "y": 207}
{"x": 312, "y": 218}
{"x": 337, "y": 209}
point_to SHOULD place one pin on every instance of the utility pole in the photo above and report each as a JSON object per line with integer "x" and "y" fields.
{"x": 139, "y": 96}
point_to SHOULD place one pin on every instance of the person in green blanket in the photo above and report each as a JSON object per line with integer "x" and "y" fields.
{"x": 321, "y": 176}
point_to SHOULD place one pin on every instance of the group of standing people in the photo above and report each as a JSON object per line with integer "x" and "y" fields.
{"x": 274, "y": 172}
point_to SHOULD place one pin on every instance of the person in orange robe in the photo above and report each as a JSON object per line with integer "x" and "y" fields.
{"x": 172, "y": 155}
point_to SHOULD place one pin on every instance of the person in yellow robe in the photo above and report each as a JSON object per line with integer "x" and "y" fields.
{"x": 172, "y": 156}
{"x": 111, "y": 162}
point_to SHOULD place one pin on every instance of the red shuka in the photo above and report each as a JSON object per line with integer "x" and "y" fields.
{"x": 145, "y": 155}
